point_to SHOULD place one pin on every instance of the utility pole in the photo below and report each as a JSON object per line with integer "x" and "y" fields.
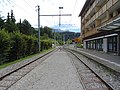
{"x": 60, "y": 21}
{"x": 60, "y": 15}
{"x": 52, "y": 16}
{"x": 59, "y": 18}
{"x": 38, "y": 27}
{"x": 54, "y": 39}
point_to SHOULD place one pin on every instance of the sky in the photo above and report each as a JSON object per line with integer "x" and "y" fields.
{"x": 27, "y": 9}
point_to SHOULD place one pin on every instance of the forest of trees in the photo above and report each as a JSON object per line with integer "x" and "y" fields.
{"x": 18, "y": 40}
{"x": 64, "y": 37}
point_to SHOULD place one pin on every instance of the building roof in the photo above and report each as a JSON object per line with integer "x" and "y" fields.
{"x": 85, "y": 6}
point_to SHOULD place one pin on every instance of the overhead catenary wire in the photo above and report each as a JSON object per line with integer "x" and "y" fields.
{"x": 4, "y": 6}
{"x": 28, "y": 4}
{"x": 45, "y": 19}
{"x": 21, "y": 8}
{"x": 8, "y": 1}
{"x": 35, "y": 2}
{"x": 1, "y": 4}
{"x": 11, "y": 5}
{"x": 74, "y": 6}
{"x": 4, "y": 2}
{"x": 73, "y": 11}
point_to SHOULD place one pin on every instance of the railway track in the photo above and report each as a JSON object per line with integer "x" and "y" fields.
{"x": 89, "y": 77}
{"x": 7, "y": 80}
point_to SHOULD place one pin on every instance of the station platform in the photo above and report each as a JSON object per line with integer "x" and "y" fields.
{"x": 57, "y": 72}
{"x": 110, "y": 60}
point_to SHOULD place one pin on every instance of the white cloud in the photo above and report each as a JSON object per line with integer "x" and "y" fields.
{"x": 67, "y": 27}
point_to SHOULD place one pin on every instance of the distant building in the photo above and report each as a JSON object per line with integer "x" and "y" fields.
{"x": 76, "y": 40}
{"x": 100, "y": 25}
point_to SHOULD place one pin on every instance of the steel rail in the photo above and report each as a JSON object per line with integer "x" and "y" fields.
{"x": 107, "y": 84}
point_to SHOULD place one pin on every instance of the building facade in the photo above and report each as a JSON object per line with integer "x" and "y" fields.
{"x": 100, "y": 25}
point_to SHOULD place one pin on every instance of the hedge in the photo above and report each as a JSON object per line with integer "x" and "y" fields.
{"x": 15, "y": 45}
{"x": 22, "y": 45}
{"x": 5, "y": 43}
{"x": 46, "y": 44}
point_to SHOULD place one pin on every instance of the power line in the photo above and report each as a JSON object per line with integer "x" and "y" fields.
{"x": 10, "y": 3}
{"x": 28, "y": 4}
{"x": 6, "y": 2}
{"x": 27, "y": 13}
{"x": 3, "y": 5}
{"x": 18, "y": 6}
{"x": 73, "y": 10}
{"x": 21, "y": 8}
{"x": 43, "y": 0}
{"x": 3, "y": 0}
{"x": 74, "y": 6}
{"x": 35, "y": 2}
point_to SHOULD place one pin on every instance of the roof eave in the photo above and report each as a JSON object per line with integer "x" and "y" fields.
{"x": 84, "y": 7}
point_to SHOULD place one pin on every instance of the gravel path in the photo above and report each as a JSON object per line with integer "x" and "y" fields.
{"x": 55, "y": 73}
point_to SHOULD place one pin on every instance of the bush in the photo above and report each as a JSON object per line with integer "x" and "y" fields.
{"x": 22, "y": 45}
{"x": 46, "y": 44}
{"x": 79, "y": 45}
{"x": 35, "y": 45}
{"x": 5, "y": 43}
{"x": 32, "y": 45}
{"x": 18, "y": 46}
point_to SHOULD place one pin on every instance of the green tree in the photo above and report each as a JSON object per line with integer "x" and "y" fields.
{"x": 46, "y": 30}
{"x": 45, "y": 36}
{"x": 41, "y": 31}
{"x": 17, "y": 46}
{"x": 2, "y": 23}
{"x": 5, "y": 43}
{"x": 26, "y": 28}
{"x": 10, "y": 25}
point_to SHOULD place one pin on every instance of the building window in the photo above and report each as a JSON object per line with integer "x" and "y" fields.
{"x": 95, "y": 44}
{"x": 99, "y": 44}
{"x": 87, "y": 44}
{"x": 112, "y": 44}
{"x": 111, "y": 15}
{"x": 118, "y": 10}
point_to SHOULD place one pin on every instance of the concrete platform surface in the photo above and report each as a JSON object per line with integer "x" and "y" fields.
{"x": 109, "y": 60}
{"x": 55, "y": 73}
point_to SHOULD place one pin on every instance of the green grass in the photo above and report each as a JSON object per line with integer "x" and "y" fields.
{"x": 79, "y": 45}
{"x": 19, "y": 60}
